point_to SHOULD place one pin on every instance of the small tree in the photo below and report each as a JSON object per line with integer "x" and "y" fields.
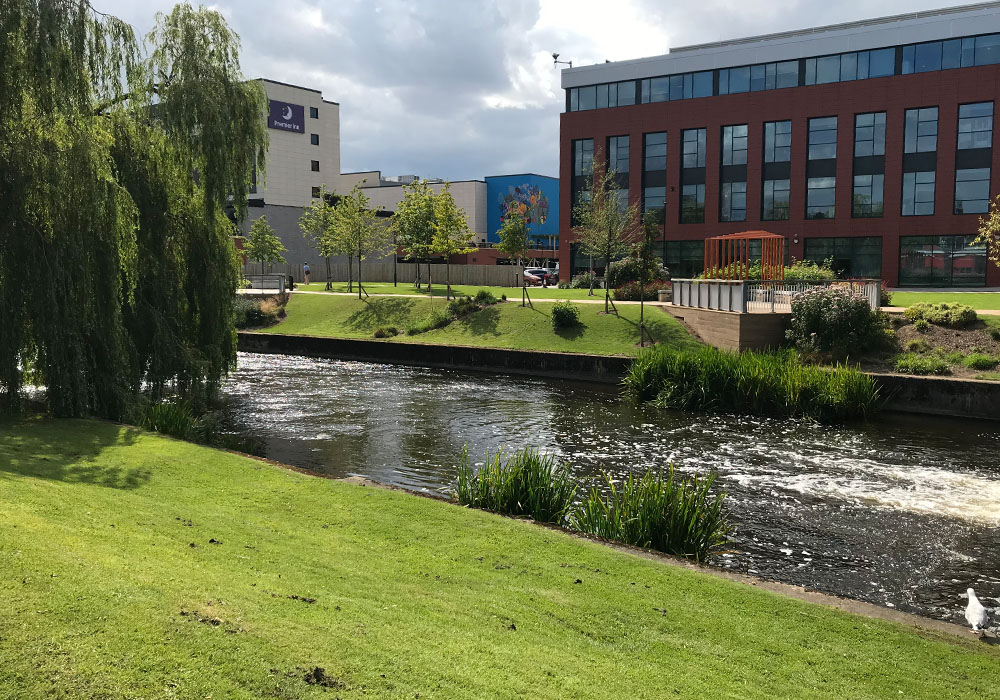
{"x": 605, "y": 227}
{"x": 451, "y": 230}
{"x": 989, "y": 231}
{"x": 358, "y": 229}
{"x": 413, "y": 224}
{"x": 316, "y": 224}
{"x": 644, "y": 253}
{"x": 263, "y": 246}
{"x": 514, "y": 242}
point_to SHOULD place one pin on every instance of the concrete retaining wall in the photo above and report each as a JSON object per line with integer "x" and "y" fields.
{"x": 558, "y": 365}
{"x": 940, "y": 396}
{"x": 733, "y": 331}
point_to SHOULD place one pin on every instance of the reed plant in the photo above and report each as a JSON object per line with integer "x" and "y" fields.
{"x": 656, "y": 511}
{"x": 526, "y": 483}
{"x": 758, "y": 383}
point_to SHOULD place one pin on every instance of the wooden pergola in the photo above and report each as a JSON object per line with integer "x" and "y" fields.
{"x": 728, "y": 257}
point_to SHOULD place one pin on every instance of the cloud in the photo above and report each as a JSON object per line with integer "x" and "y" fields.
{"x": 462, "y": 89}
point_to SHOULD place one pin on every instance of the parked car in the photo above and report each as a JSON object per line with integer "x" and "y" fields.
{"x": 546, "y": 276}
{"x": 531, "y": 280}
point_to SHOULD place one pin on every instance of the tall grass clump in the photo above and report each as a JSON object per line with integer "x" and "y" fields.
{"x": 665, "y": 513}
{"x": 525, "y": 483}
{"x": 758, "y": 383}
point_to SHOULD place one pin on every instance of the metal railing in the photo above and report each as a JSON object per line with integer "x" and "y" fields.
{"x": 761, "y": 296}
{"x": 276, "y": 283}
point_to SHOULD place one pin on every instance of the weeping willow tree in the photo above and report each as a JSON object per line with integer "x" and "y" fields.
{"x": 117, "y": 268}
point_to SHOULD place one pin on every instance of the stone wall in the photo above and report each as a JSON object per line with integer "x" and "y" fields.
{"x": 733, "y": 331}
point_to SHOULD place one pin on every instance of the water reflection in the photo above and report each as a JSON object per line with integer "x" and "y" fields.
{"x": 903, "y": 512}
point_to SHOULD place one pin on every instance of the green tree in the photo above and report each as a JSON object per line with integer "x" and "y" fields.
{"x": 133, "y": 270}
{"x": 316, "y": 224}
{"x": 513, "y": 235}
{"x": 989, "y": 231}
{"x": 413, "y": 223}
{"x": 262, "y": 246}
{"x": 645, "y": 253}
{"x": 358, "y": 228}
{"x": 451, "y": 231}
{"x": 605, "y": 226}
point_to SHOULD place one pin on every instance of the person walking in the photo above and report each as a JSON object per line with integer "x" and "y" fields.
{"x": 305, "y": 272}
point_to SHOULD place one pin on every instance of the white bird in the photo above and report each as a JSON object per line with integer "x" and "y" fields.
{"x": 975, "y": 613}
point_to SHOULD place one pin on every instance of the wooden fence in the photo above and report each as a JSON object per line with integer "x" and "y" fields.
{"x": 476, "y": 275}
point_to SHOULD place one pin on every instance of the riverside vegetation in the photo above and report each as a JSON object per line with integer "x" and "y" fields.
{"x": 666, "y": 513}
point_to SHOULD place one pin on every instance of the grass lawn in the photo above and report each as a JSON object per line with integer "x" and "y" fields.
{"x": 977, "y": 300}
{"x": 464, "y": 289}
{"x": 112, "y": 588}
{"x": 507, "y": 325}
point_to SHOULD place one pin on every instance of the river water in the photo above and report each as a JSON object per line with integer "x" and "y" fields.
{"x": 902, "y": 512}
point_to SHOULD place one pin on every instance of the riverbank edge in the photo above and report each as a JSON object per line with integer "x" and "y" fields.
{"x": 786, "y": 590}
{"x": 937, "y": 396}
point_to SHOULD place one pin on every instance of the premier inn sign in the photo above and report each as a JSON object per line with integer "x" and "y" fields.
{"x": 287, "y": 117}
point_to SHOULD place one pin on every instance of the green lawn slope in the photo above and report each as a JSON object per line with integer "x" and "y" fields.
{"x": 988, "y": 301}
{"x": 506, "y": 325}
{"x": 134, "y": 566}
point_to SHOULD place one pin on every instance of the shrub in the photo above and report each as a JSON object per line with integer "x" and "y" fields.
{"x": 564, "y": 285}
{"x": 526, "y": 483}
{"x": 386, "y": 332}
{"x": 897, "y": 320}
{"x": 921, "y": 325}
{"x": 979, "y": 360}
{"x": 627, "y": 270}
{"x": 463, "y": 306}
{"x": 917, "y": 345}
{"x": 884, "y": 296}
{"x": 954, "y": 357}
{"x": 761, "y": 383}
{"x": 910, "y": 363}
{"x": 807, "y": 270}
{"x": 250, "y": 313}
{"x": 832, "y": 319}
{"x": 585, "y": 280}
{"x": 630, "y": 291}
{"x": 951, "y": 315}
{"x": 995, "y": 333}
{"x": 667, "y": 514}
{"x": 565, "y": 315}
{"x": 486, "y": 298}
{"x": 436, "y": 319}
{"x": 503, "y": 297}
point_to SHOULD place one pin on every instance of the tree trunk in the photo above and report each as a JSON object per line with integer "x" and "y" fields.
{"x": 359, "y": 275}
{"x": 447, "y": 278}
{"x": 430, "y": 288}
{"x": 417, "y": 281}
{"x": 329, "y": 275}
{"x": 350, "y": 281}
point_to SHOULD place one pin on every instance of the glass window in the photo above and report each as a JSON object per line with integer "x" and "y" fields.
{"x": 602, "y": 96}
{"x": 951, "y": 54}
{"x": 655, "y": 90}
{"x": 972, "y": 191}
{"x": 920, "y": 131}
{"x": 693, "y": 204}
{"x": 757, "y": 73}
{"x": 693, "y": 148}
{"x": 574, "y": 100}
{"x": 315, "y": 193}
{"x": 927, "y": 57}
{"x": 684, "y": 259}
{"x": 314, "y": 139}
{"x": 786, "y": 74}
{"x": 777, "y": 142}
{"x": 975, "y": 125}
{"x": 676, "y": 87}
{"x": 702, "y": 84}
{"x": 881, "y": 62}
{"x": 941, "y": 261}
{"x": 848, "y": 66}
{"x": 626, "y": 93}
{"x": 734, "y": 144}
{"x": 618, "y": 154}
{"x": 583, "y": 157}
{"x": 867, "y": 199}
{"x": 653, "y": 198}
{"x": 821, "y": 193}
{"x": 869, "y": 134}
{"x": 655, "y": 151}
{"x": 588, "y": 97}
{"x": 776, "y": 200}
{"x": 918, "y": 193}
{"x": 827, "y": 69}
{"x": 739, "y": 79}
{"x": 987, "y": 50}
{"x": 314, "y": 165}
{"x": 850, "y": 257}
{"x": 314, "y": 112}
{"x": 822, "y": 138}
{"x": 621, "y": 196}
{"x": 733, "y": 201}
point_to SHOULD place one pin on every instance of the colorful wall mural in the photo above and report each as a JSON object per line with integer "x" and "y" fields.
{"x": 535, "y": 197}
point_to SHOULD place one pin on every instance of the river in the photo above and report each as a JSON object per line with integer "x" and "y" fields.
{"x": 902, "y": 512}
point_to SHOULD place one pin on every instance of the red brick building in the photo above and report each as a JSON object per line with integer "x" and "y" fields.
{"x": 870, "y": 143}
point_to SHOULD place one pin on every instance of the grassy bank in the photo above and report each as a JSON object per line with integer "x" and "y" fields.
{"x": 507, "y": 325}
{"x": 977, "y": 300}
{"x": 551, "y": 292}
{"x": 394, "y": 596}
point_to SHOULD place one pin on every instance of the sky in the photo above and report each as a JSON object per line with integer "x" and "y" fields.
{"x": 462, "y": 89}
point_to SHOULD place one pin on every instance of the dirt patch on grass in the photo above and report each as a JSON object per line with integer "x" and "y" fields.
{"x": 949, "y": 344}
